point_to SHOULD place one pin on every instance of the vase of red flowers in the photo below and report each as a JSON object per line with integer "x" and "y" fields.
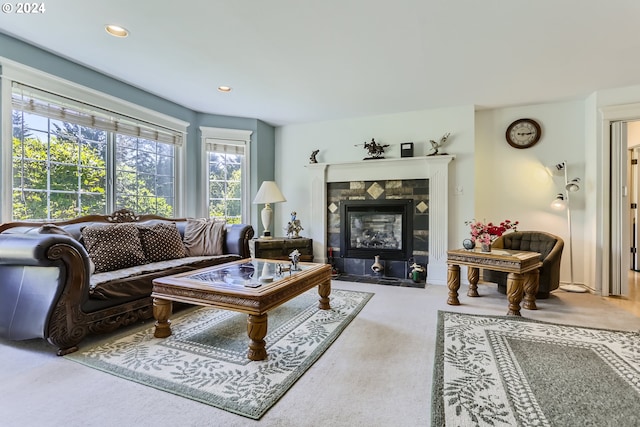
{"x": 484, "y": 235}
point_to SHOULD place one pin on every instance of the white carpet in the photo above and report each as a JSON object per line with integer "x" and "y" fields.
{"x": 377, "y": 374}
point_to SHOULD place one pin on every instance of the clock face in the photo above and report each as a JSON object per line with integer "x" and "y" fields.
{"x": 523, "y": 133}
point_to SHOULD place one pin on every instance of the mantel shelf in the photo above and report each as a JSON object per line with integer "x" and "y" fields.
{"x": 439, "y": 158}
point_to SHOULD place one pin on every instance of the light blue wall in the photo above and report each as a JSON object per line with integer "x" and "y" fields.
{"x": 262, "y": 153}
{"x": 263, "y": 145}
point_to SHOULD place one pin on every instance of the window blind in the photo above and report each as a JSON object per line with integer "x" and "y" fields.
{"x": 224, "y": 146}
{"x": 36, "y": 101}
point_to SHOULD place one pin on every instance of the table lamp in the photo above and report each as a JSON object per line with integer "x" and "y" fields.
{"x": 268, "y": 193}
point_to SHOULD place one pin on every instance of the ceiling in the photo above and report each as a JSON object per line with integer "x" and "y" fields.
{"x": 294, "y": 61}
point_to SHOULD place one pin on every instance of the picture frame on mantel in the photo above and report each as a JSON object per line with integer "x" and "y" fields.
{"x": 406, "y": 149}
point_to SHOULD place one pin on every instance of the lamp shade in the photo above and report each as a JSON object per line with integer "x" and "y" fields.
{"x": 559, "y": 203}
{"x": 573, "y": 185}
{"x": 269, "y": 193}
{"x": 556, "y": 169}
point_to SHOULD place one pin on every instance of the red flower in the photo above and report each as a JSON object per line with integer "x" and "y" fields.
{"x": 487, "y": 233}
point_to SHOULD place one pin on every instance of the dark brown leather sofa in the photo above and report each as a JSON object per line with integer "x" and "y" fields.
{"x": 550, "y": 248}
{"x": 45, "y": 280}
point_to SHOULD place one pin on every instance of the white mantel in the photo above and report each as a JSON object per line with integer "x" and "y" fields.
{"x": 433, "y": 168}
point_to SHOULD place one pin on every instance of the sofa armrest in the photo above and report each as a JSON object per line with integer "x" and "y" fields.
{"x": 43, "y": 279}
{"x": 237, "y": 239}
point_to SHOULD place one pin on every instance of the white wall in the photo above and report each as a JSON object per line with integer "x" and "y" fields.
{"x": 497, "y": 181}
{"x": 513, "y": 183}
{"x": 336, "y": 141}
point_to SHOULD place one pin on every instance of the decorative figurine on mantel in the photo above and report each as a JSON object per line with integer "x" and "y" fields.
{"x": 435, "y": 146}
{"x": 293, "y": 227}
{"x": 312, "y": 157}
{"x": 375, "y": 150}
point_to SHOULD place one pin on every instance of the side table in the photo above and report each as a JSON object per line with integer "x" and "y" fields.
{"x": 280, "y": 247}
{"x": 522, "y": 266}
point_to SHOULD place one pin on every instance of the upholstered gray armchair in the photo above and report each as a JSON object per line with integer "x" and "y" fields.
{"x": 550, "y": 249}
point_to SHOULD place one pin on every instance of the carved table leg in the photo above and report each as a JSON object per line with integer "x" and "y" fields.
{"x": 473, "y": 274}
{"x": 514, "y": 293}
{"x": 453, "y": 283}
{"x": 257, "y": 330}
{"x": 531, "y": 283}
{"x": 324, "y": 289}
{"x": 161, "y": 312}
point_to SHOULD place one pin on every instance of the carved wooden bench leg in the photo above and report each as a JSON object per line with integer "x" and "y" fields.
{"x": 473, "y": 274}
{"x": 162, "y": 311}
{"x": 514, "y": 293}
{"x": 453, "y": 283}
{"x": 257, "y": 330}
{"x": 531, "y": 284}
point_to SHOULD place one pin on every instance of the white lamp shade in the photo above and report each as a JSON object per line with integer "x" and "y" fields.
{"x": 559, "y": 203}
{"x": 269, "y": 193}
{"x": 573, "y": 185}
{"x": 556, "y": 169}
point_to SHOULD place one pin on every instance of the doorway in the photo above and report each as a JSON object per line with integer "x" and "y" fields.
{"x": 624, "y": 203}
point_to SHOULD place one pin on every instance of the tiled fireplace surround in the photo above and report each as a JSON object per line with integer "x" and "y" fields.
{"x": 414, "y": 189}
{"x": 399, "y": 178}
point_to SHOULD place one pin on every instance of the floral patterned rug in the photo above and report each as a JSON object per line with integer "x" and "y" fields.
{"x": 508, "y": 371}
{"x": 205, "y": 359}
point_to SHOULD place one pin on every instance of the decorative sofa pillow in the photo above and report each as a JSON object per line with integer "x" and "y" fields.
{"x": 204, "y": 236}
{"x": 161, "y": 241}
{"x": 113, "y": 246}
{"x": 54, "y": 229}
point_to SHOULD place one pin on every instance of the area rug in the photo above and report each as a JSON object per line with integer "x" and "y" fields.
{"x": 205, "y": 359}
{"x": 512, "y": 371}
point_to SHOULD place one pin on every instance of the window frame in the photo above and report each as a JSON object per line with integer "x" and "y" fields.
{"x": 11, "y": 72}
{"x": 209, "y": 135}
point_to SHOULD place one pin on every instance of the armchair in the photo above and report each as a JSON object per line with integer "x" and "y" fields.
{"x": 550, "y": 249}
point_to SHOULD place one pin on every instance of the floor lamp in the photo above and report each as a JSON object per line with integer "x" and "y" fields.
{"x": 563, "y": 201}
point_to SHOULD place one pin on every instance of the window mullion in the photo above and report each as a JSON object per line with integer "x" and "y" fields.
{"x": 111, "y": 172}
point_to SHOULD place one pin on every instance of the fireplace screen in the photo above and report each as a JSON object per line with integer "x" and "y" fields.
{"x": 380, "y": 227}
{"x": 373, "y": 230}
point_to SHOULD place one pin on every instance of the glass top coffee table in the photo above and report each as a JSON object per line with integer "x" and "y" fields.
{"x": 252, "y": 286}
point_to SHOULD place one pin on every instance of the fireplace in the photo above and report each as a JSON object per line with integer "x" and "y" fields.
{"x": 376, "y": 227}
{"x": 433, "y": 168}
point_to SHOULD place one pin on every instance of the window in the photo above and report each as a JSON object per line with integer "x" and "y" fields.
{"x": 71, "y": 159}
{"x": 145, "y": 175}
{"x": 59, "y": 169}
{"x": 226, "y": 165}
{"x": 225, "y": 186}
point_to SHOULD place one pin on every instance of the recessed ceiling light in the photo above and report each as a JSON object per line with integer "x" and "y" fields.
{"x": 116, "y": 30}
{"x": 224, "y": 88}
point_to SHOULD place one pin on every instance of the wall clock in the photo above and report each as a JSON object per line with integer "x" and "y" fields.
{"x": 523, "y": 133}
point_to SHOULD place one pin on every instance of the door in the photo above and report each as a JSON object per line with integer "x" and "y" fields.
{"x": 634, "y": 189}
{"x": 620, "y": 260}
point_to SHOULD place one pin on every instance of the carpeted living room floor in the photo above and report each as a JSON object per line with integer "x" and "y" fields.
{"x": 377, "y": 373}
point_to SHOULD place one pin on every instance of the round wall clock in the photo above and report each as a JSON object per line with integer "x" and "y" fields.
{"x": 523, "y": 133}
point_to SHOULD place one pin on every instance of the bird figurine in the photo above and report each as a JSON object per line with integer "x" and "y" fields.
{"x": 312, "y": 157}
{"x": 435, "y": 146}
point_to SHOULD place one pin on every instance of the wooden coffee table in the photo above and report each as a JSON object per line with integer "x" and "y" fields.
{"x": 252, "y": 286}
{"x": 523, "y": 278}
